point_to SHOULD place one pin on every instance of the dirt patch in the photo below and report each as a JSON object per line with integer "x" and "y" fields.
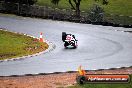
{"x": 52, "y": 80}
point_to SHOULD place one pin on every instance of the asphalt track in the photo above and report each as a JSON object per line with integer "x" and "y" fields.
{"x": 99, "y": 47}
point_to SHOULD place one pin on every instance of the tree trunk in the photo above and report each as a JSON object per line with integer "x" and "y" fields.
{"x": 77, "y": 10}
{"x": 76, "y": 7}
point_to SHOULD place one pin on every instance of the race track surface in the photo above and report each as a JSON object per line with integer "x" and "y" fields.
{"x": 99, "y": 47}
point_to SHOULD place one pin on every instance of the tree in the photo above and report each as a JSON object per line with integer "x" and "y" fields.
{"x": 75, "y": 4}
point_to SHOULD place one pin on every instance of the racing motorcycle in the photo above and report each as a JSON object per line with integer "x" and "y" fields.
{"x": 69, "y": 40}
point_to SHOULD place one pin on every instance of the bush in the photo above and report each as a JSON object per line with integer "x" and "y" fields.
{"x": 96, "y": 13}
{"x": 29, "y": 2}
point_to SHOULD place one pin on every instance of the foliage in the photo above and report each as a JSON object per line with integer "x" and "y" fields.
{"x": 55, "y": 2}
{"x": 117, "y": 7}
{"x": 96, "y": 13}
{"x": 75, "y": 4}
{"x": 30, "y": 2}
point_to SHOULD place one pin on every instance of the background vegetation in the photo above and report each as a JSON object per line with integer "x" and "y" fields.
{"x": 115, "y": 13}
{"x": 117, "y": 7}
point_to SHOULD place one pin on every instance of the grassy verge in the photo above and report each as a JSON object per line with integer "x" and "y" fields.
{"x": 119, "y": 85}
{"x": 125, "y": 20}
{"x": 117, "y": 7}
{"x": 14, "y": 45}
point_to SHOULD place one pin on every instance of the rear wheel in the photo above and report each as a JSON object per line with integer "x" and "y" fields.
{"x": 75, "y": 47}
{"x": 66, "y": 44}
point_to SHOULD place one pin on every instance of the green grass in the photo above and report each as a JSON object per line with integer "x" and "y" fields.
{"x": 118, "y": 7}
{"x": 15, "y": 45}
{"x": 121, "y": 85}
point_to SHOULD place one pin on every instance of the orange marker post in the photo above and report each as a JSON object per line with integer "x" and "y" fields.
{"x": 41, "y": 37}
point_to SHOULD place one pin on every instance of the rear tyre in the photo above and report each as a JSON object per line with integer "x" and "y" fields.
{"x": 66, "y": 44}
{"x": 74, "y": 47}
